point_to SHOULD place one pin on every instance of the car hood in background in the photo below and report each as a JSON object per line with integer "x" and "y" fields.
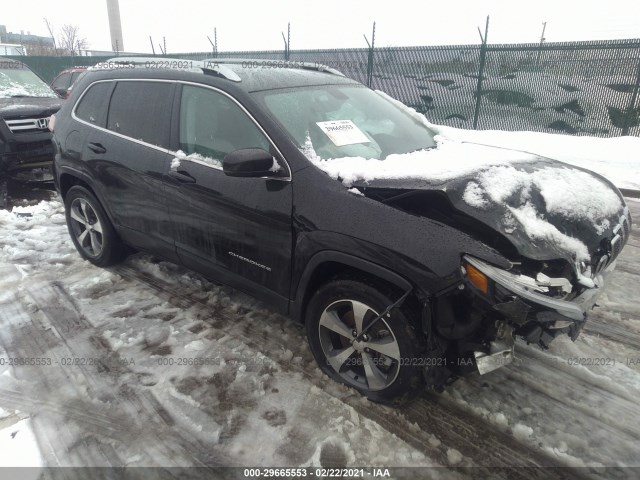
{"x": 29, "y": 107}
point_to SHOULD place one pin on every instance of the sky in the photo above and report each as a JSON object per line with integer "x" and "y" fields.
{"x": 258, "y": 25}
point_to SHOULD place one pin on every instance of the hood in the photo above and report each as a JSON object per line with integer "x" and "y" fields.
{"x": 29, "y": 107}
{"x": 536, "y": 207}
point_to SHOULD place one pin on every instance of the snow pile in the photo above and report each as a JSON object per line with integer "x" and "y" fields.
{"x": 617, "y": 159}
{"x": 19, "y": 447}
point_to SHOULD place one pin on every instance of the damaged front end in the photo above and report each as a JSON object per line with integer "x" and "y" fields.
{"x": 476, "y": 322}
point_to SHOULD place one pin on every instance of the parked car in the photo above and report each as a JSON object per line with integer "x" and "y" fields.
{"x": 63, "y": 83}
{"x": 26, "y": 104}
{"x": 8, "y": 49}
{"x": 222, "y": 167}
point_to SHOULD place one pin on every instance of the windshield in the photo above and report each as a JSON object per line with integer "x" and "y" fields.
{"x": 333, "y": 121}
{"x": 22, "y": 82}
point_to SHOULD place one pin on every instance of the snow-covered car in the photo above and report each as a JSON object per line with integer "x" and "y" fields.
{"x": 411, "y": 258}
{"x": 26, "y": 104}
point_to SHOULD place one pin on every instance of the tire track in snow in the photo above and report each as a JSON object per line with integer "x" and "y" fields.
{"x": 475, "y": 438}
{"x": 600, "y": 326}
{"x": 581, "y": 390}
{"x": 131, "y": 415}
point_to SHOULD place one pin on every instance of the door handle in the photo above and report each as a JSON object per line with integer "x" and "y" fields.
{"x": 182, "y": 176}
{"x": 97, "y": 148}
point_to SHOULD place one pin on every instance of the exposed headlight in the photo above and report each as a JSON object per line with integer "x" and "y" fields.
{"x": 533, "y": 289}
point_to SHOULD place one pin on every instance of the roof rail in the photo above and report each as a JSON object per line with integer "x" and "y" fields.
{"x": 276, "y": 64}
{"x": 206, "y": 66}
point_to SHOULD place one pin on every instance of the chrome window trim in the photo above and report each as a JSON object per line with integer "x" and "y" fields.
{"x": 168, "y": 151}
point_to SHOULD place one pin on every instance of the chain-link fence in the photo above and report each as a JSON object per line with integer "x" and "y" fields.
{"x": 588, "y": 88}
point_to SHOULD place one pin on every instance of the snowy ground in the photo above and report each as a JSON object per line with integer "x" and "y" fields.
{"x": 148, "y": 364}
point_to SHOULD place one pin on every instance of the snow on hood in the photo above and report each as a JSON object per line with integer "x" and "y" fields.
{"x": 450, "y": 159}
{"x": 567, "y": 192}
{"x": 494, "y": 179}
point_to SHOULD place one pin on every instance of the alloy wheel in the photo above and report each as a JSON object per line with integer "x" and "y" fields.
{"x": 86, "y": 227}
{"x": 371, "y": 363}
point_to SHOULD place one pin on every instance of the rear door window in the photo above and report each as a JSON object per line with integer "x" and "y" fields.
{"x": 93, "y": 104}
{"x": 142, "y": 110}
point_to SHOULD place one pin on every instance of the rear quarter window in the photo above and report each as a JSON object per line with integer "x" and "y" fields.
{"x": 93, "y": 104}
{"x": 142, "y": 110}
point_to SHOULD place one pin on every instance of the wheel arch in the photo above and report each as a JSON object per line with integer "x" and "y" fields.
{"x": 327, "y": 264}
{"x": 70, "y": 178}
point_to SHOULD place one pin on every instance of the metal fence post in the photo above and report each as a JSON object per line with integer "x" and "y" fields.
{"x": 483, "y": 55}
{"x": 632, "y": 104}
{"x": 370, "y": 55}
{"x": 286, "y": 42}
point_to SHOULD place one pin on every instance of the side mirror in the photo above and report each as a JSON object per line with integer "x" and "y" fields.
{"x": 249, "y": 162}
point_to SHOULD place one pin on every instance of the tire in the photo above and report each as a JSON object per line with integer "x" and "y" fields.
{"x": 391, "y": 378}
{"x": 90, "y": 228}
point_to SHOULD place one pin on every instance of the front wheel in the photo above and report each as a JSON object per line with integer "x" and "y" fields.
{"x": 384, "y": 364}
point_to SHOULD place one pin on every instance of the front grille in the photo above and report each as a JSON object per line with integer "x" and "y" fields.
{"x": 28, "y": 125}
{"x": 621, "y": 233}
{"x": 27, "y": 147}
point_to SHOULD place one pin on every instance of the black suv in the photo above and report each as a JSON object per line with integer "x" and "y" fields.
{"x": 225, "y": 168}
{"x": 26, "y": 104}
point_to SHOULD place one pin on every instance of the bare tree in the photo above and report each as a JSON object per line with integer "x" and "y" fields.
{"x": 53, "y": 37}
{"x": 70, "y": 41}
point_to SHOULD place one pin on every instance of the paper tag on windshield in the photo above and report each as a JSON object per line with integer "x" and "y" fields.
{"x": 343, "y": 132}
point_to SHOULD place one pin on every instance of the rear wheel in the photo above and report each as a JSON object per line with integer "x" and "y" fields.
{"x": 90, "y": 228}
{"x": 384, "y": 364}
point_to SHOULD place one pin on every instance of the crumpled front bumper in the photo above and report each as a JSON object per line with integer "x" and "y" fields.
{"x": 535, "y": 317}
